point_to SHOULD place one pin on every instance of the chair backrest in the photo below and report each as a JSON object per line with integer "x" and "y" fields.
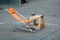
{"x": 15, "y": 14}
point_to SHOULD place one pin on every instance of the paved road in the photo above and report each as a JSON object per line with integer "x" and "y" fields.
{"x": 49, "y": 8}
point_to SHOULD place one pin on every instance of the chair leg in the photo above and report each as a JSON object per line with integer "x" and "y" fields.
{"x": 43, "y": 23}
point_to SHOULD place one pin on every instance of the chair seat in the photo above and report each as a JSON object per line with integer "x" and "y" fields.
{"x": 26, "y": 21}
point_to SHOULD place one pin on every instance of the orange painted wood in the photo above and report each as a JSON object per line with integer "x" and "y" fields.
{"x": 16, "y": 16}
{"x": 26, "y": 21}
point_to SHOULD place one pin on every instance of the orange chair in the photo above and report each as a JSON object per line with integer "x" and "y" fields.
{"x": 27, "y": 22}
{"x": 20, "y": 18}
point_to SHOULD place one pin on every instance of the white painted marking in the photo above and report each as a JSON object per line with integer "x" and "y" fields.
{"x": 1, "y": 23}
{"x": 51, "y": 24}
{"x": 18, "y": 22}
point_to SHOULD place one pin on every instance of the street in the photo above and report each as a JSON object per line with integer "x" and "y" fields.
{"x": 49, "y": 8}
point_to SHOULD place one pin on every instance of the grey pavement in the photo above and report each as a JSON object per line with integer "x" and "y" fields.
{"x": 49, "y": 8}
